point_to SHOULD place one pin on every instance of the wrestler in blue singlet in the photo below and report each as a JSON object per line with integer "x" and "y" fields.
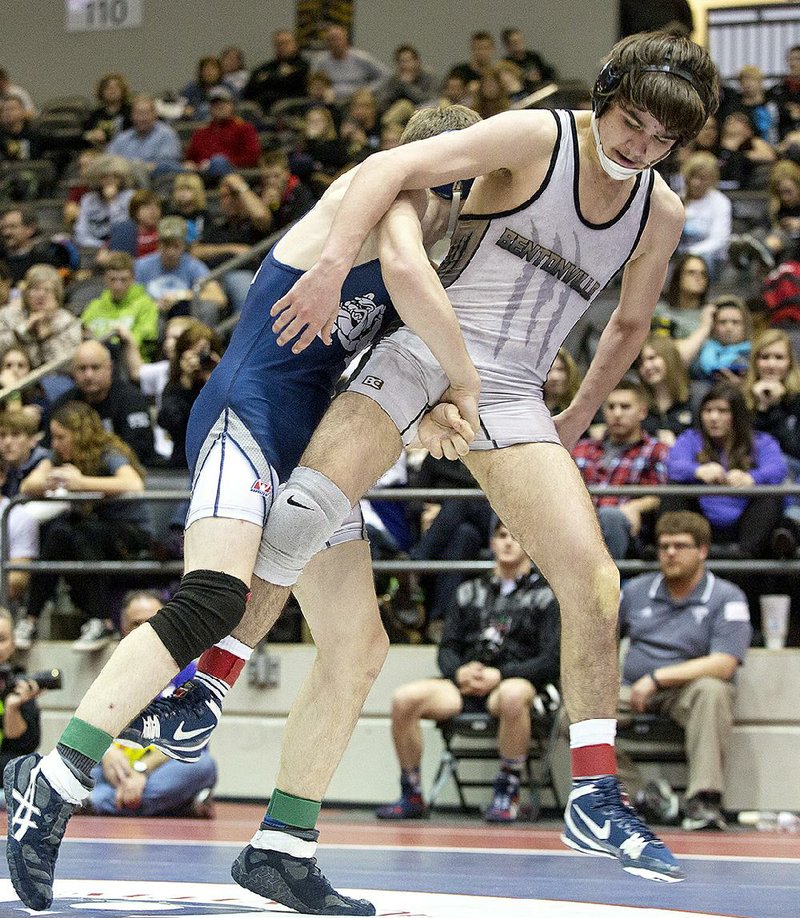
{"x": 279, "y": 396}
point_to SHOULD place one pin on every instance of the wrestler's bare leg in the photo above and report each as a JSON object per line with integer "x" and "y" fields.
{"x": 537, "y": 491}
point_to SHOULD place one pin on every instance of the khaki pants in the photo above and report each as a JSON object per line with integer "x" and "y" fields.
{"x": 704, "y": 708}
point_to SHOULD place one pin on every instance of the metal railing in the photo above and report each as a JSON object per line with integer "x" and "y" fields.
{"x": 628, "y": 567}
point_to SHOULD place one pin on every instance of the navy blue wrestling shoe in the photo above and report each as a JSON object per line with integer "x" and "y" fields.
{"x": 180, "y": 725}
{"x": 598, "y": 822}
{"x": 37, "y": 819}
{"x": 295, "y": 882}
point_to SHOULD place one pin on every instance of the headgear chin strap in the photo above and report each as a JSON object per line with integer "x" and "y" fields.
{"x": 612, "y": 170}
{"x": 454, "y": 192}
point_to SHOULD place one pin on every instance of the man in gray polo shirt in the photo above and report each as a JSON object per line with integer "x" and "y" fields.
{"x": 689, "y": 631}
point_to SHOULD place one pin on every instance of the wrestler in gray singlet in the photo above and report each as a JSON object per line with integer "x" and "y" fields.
{"x": 518, "y": 281}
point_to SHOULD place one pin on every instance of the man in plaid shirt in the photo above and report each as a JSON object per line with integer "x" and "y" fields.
{"x": 626, "y": 454}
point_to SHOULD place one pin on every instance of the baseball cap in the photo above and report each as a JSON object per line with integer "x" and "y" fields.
{"x": 171, "y": 228}
{"x": 220, "y": 92}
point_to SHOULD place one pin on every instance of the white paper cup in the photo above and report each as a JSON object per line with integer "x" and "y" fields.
{"x": 775, "y": 620}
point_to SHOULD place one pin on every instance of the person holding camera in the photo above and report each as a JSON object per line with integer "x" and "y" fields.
{"x": 197, "y": 352}
{"x": 21, "y": 731}
{"x": 500, "y": 644}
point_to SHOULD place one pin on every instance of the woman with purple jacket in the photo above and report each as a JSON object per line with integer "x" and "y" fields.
{"x": 725, "y": 450}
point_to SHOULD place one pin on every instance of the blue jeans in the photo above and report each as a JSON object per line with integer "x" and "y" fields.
{"x": 169, "y": 788}
{"x": 616, "y": 531}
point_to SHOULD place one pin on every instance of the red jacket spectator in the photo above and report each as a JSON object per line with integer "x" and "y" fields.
{"x": 225, "y": 134}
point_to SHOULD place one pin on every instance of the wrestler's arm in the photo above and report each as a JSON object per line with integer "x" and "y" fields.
{"x": 629, "y": 325}
{"x": 420, "y": 299}
{"x": 510, "y": 140}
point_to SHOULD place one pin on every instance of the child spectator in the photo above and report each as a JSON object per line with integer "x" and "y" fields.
{"x": 110, "y": 178}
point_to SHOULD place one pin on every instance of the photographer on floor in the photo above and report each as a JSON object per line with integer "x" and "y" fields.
{"x": 21, "y": 733}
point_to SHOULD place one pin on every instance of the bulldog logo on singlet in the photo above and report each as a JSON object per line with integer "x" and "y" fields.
{"x": 358, "y": 322}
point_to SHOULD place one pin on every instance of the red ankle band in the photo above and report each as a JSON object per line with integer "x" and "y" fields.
{"x": 222, "y": 664}
{"x": 593, "y": 761}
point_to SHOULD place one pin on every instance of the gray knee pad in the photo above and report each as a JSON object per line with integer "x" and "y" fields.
{"x": 308, "y": 510}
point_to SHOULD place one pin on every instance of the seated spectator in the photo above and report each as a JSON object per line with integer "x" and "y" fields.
{"x": 707, "y": 229}
{"x": 20, "y": 449}
{"x": 21, "y": 733}
{"x": 40, "y": 324}
{"x": 456, "y": 89}
{"x": 323, "y": 154}
{"x": 113, "y": 112}
{"x": 683, "y": 313}
{"x": 348, "y": 68}
{"x": 562, "y": 383}
{"x": 499, "y": 646}
{"x": 234, "y": 72}
{"x": 535, "y": 69}
{"x": 689, "y": 631}
{"x": 122, "y": 408}
{"x": 665, "y": 380}
{"x": 152, "y": 377}
{"x": 457, "y": 531}
{"x": 726, "y": 353}
{"x": 79, "y": 187}
{"x": 783, "y": 239}
{"x": 32, "y": 401}
{"x": 361, "y": 126}
{"x": 786, "y": 94}
{"x": 135, "y": 782}
{"x": 724, "y": 450}
{"x": 625, "y": 455}
{"x": 123, "y": 308}
{"x": 86, "y": 457}
{"x": 138, "y": 235}
{"x": 741, "y": 150}
{"x": 172, "y": 276}
{"x": 195, "y": 95}
{"x": 150, "y": 144}
{"x": 188, "y": 200}
{"x": 20, "y": 142}
{"x": 226, "y": 142}
{"x": 510, "y": 77}
{"x": 244, "y": 221}
{"x": 23, "y": 544}
{"x": 7, "y": 88}
{"x": 110, "y": 180}
{"x": 752, "y": 99}
{"x": 282, "y": 77}
{"x": 22, "y": 246}
{"x": 410, "y": 80}
{"x": 481, "y": 58}
{"x": 284, "y": 195}
{"x": 772, "y": 392}
{"x": 196, "y": 352}
{"x": 490, "y": 96}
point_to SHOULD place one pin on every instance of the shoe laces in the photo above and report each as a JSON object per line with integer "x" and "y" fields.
{"x": 192, "y": 701}
{"x": 609, "y": 800}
